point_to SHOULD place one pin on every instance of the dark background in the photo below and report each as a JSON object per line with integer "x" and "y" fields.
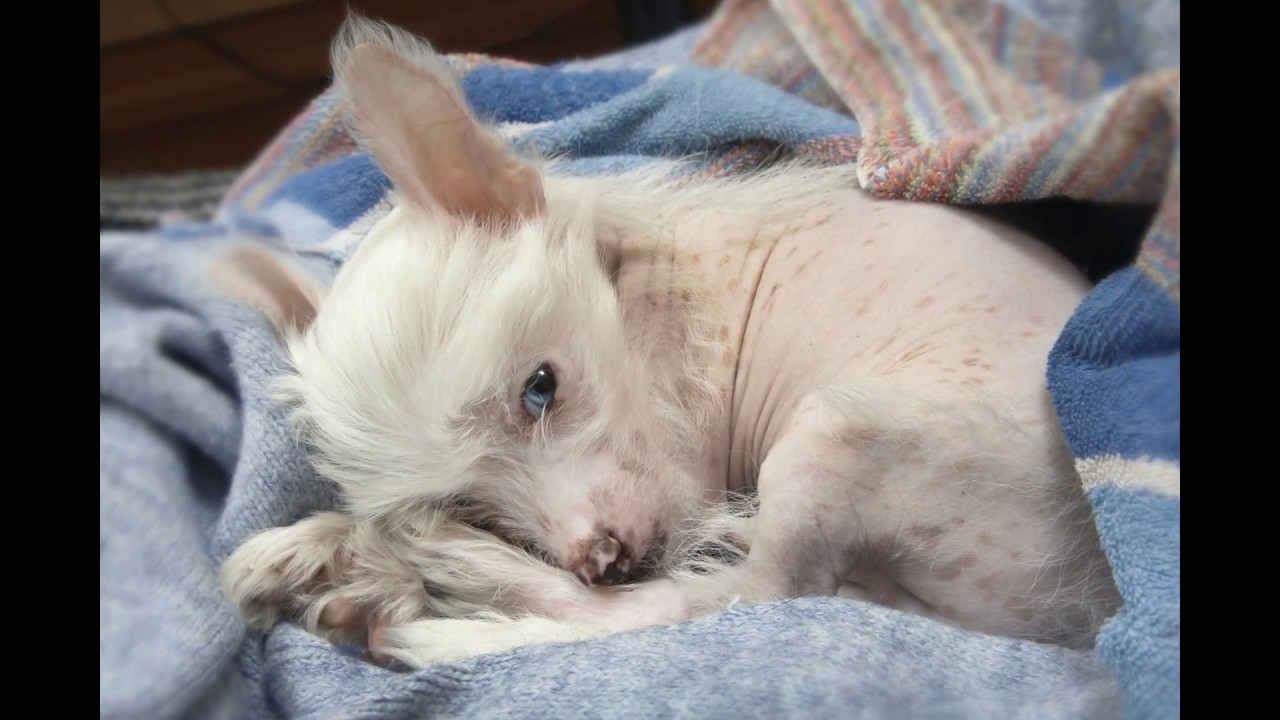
{"x": 204, "y": 84}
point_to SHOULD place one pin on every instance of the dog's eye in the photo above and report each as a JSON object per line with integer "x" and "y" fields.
{"x": 539, "y": 392}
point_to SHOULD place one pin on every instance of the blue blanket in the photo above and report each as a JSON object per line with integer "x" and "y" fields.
{"x": 195, "y": 457}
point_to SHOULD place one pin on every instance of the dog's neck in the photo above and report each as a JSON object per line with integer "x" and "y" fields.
{"x": 687, "y": 295}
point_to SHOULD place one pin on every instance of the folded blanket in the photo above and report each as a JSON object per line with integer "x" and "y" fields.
{"x": 968, "y": 101}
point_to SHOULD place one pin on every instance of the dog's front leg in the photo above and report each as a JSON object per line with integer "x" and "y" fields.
{"x": 806, "y": 539}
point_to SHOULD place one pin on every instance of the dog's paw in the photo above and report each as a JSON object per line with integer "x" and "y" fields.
{"x": 282, "y": 572}
{"x": 422, "y": 643}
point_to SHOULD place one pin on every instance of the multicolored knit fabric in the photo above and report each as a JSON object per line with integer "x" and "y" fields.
{"x": 953, "y": 101}
{"x": 967, "y": 102}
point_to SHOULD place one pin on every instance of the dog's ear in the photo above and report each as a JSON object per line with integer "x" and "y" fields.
{"x": 407, "y": 110}
{"x": 261, "y": 278}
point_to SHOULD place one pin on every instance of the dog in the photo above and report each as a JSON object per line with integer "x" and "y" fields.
{"x": 558, "y": 407}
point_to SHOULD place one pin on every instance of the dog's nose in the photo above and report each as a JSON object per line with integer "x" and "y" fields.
{"x": 608, "y": 562}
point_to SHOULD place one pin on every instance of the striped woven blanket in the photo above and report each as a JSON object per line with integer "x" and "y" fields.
{"x": 955, "y": 101}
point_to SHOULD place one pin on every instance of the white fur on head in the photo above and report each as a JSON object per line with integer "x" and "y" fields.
{"x": 408, "y": 384}
{"x": 407, "y": 110}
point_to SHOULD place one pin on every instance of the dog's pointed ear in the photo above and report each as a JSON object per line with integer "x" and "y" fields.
{"x": 259, "y": 277}
{"x": 408, "y": 112}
